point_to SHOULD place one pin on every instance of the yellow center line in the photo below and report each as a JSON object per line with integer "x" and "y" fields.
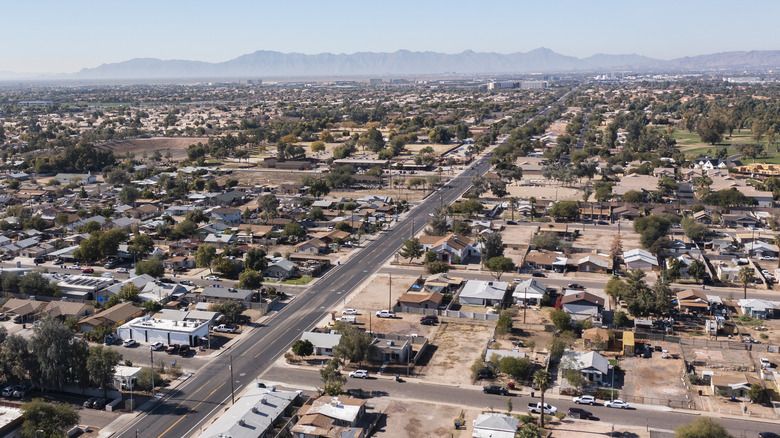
{"x": 196, "y": 407}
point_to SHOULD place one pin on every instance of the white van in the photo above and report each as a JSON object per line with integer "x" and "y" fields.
{"x": 349, "y": 319}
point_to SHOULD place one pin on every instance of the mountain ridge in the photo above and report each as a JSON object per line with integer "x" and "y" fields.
{"x": 267, "y": 63}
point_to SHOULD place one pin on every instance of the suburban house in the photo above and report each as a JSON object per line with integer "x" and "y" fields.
{"x": 483, "y": 293}
{"x": 331, "y": 417}
{"x": 590, "y": 263}
{"x": 421, "y": 300}
{"x": 495, "y": 425}
{"x": 227, "y": 215}
{"x": 582, "y": 305}
{"x": 733, "y": 386}
{"x": 111, "y": 317}
{"x": 26, "y": 310}
{"x": 452, "y": 248}
{"x": 279, "y": 268}
{"x": 323, "y": 342}
{"x": 693, "y": 300}
{"x": 66, "y": 309}
{"x": 597, "y": 338}
{"x": 530, "y": 291}
{"x": 546, "y": 260}
{"x": 179, "y": 263}
{"x": 755, "y": 308}
{"x": 392, "y": 349}
{"x": 593, "y": 366}
{"x": 760, "y": 249}
{"x": 257, "y": 413}
{"x": 312, "y": 246}
{"x": 640, "y": 259}
{"x": 215, "y": 294}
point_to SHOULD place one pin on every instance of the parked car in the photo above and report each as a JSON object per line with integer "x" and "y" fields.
{"x": 349, "y": 312}
{"x": 768, "y": 435}
{"x": 87, "y": 271}
{"x": 582, "y": 414}
{"x": 536, "y": 408}
{"x": 129, "y": 343}
{"x": 89, "y": 402}
{"x": 157, "y": 346}
{"x": 110, "y": 265}
{"x": 359, "y": 374}
{"x": 19, "y": 391}
{"x": 187, "y": 283}
{"x": 538, "y": 275}
{"x": 385, "y": 314}
{"x": 575, "y": 286}
{"x": 429, "y": 320}
{"x": 172, "y": 349}
{"x": 110, "y": 340}
{"x": 107, "y": 275}
{"x": 166, "y": 280}
{"x": 212, "y": 278}
{"x": 225, "y": 328}
{"x": 184, "y": 350}
{"x": 122, "y": 271}
{"x": 584, "y": 400}
{"x": 99, "y": 403}
{"x": 495, "y": 389}
{"x": 616, "y": 403}
{"x": 58, "y": 261}
{"x": 74, "y": 267}
{"x": 7, "y": 391}
{"x": 3, "y": 316}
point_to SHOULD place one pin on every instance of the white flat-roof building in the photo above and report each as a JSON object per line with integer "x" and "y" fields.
{"x": 167, "y": 331}
{"x": 254, "y": 414}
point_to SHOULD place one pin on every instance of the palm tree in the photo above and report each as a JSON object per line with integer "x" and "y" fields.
{"x": 512, "y": 204}
{"x": 745, "y": 276}
{"x": 543, "y": 380}
{"x": 532, "y": 201}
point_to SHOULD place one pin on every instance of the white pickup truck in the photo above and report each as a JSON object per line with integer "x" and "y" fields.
{"x": 385, "y": 314}
{"x": 535, "y": 408}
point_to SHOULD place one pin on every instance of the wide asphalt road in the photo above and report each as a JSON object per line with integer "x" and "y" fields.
{"x": 649, "y": 416}
{"x": 210, "y": 388}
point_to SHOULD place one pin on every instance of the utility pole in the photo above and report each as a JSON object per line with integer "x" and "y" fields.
{"x": 389, "y": 292}
{"x": 151, "y": 353}
{"x": 525, "y": 302}
{"x": 232, "y": 389}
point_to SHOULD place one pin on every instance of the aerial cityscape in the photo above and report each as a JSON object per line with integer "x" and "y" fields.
{"x": 313, "y": 220}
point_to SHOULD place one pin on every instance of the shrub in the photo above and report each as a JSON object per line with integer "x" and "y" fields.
{"x": 560, "y": 415}
{"x": 525, "y": 418}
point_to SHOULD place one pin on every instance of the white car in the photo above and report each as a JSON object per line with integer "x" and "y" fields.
{"x": 584, "y": 400}
{"x": 385, "y": 314}
{"x": 616, "y": 403}
{"x": 122, "y": 271}
{"x": 349, "y": 312}
{"x": 157, "y": 346}
{"x": 73, "y": 267}
{"x": 129, "y": 343}
{"x": 212, "y": 278}
{"x": 359, "y": 374}
{"x": 107, "y": 275}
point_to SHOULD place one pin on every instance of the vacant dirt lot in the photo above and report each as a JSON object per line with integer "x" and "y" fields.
{"x": 601, "y": 239}
{"x": 546, "y": 193}
{"x": 416, "y": 419}
{"x": 176, "y": 145}
{"x": 456, "y": 345}
{"x": 653, "y": 378}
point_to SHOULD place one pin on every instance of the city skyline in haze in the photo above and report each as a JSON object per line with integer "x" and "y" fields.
{"x": 49, "y": 37}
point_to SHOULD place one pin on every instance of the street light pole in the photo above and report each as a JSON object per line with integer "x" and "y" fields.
{"x": 525, "y": 302}
{"x": 232, "y": 389}
{"x": 151, "y": 353}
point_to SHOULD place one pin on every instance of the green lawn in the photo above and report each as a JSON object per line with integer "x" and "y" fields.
{"x": 690, "y": 143}
{"x": 296, "y": 281}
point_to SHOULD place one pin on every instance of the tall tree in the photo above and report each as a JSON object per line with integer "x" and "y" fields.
{"x": 492, "y": 246}
{"x": 204, "y": 255}
{"x": 15, "y": 359}
{"x": 354, "y": 346}
{"x": 499, "y": 265}
{"x": 438, "y": 224}
{"x": 745, "y": 276}
{"x": 412, "y": 249}
{"x": 52, "y": 347}
{"x": 50, "y": 419}
{"x": 697, "y": 270}
{"x": 101, "y": 365}
{"x": 543, "y": 380}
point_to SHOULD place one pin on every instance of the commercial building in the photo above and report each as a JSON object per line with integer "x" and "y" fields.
{"x": 150, "y": 330}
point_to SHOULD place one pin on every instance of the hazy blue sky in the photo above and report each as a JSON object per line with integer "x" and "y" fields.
{"x": 65, "y": 36}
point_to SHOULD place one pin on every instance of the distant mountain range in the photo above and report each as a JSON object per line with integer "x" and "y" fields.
{"x": 265, "y": 64}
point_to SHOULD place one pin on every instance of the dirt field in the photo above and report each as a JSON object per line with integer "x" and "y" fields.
{"x": 594, "y": 429}
{"x": 601, "y": 239}
{"x": 653, "y": 378}
{"x": 457, "y": 344}
{"x": 415, "y": 419}
{"x": 545, "y": 193}
{"x": 438, "y": 149}
{"x": 176, "y": 145}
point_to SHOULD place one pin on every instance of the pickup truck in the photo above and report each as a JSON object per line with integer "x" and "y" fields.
{"x": 385, "y": 314}
{"x": 225, "y": 328}
{"x": 535, "y": 408}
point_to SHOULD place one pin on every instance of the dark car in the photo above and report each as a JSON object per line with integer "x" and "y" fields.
{"x": 768, "y": 435}
{"x": 495, "y": 389}
{"x": 575, "y": 286}
{"x": 538, "y": 274}
{"x": 658, "y": 348}
{"x": 89, "y": 402}
{"x": 582, "y": 414}
{"x": 99, "y": 403}
{"x": 184, "y": 350}
{"x": 172, "y": 349}
{"x": 602, "y": 223}
{"x": 429, "y": 320}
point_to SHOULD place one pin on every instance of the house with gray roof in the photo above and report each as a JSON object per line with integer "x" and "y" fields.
{"x": 483, "y": 293}
{"x": 280, "y": 268}
{"x": 214, "y": 294}
{"x": 495, "y": 425}
{"x": 255, "y": 414}
{"x": 323, "y": 342}
{"x": 593, "y": 366}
